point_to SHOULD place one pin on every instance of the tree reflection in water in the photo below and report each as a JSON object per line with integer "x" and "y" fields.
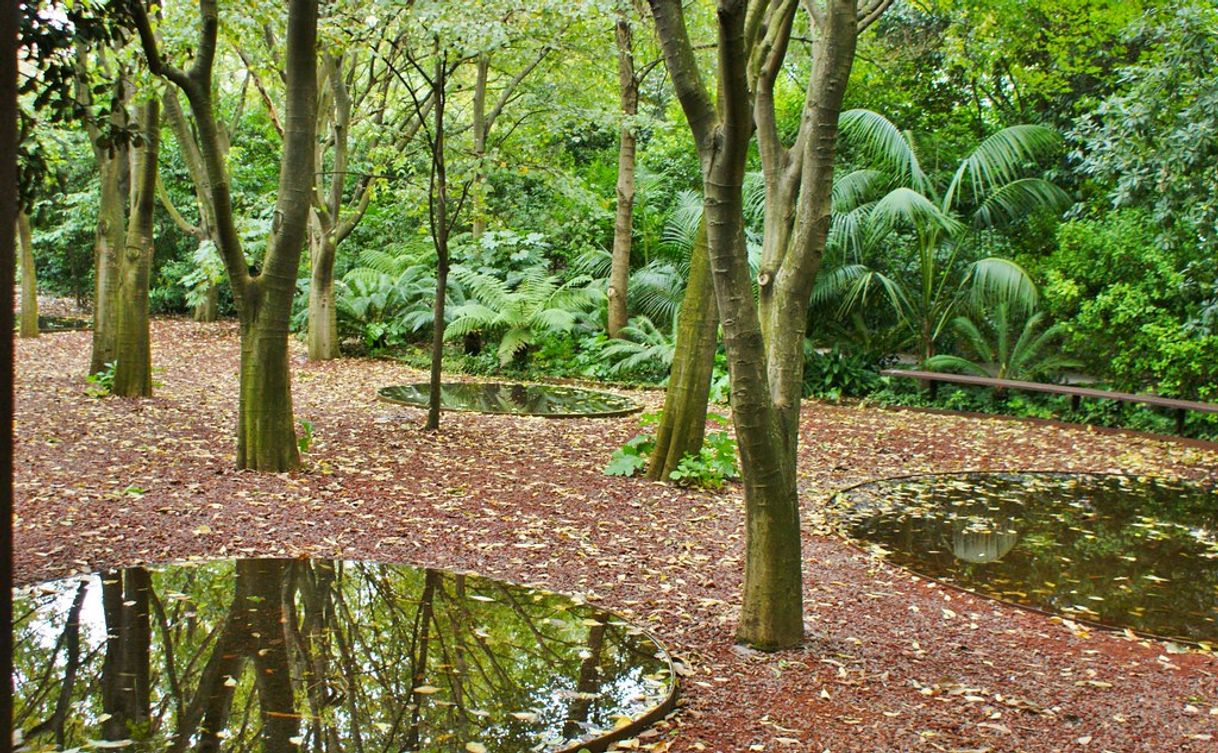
{"x": 313, "y": 655}
{"x": 553, "y": 401}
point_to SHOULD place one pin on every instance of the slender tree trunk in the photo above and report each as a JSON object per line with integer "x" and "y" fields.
{"x": 623, "y": 223}
{"x": 107, "y": 245}
{"x": 208, "y": 310}
{"x": 133, "y": 371}
{"x": 480, "y": 127}
{"x": 29, "y": 278}
{"x": 439, "y": 229}
{"x": 323, "y": 314}
{"x": 683, "y": 421}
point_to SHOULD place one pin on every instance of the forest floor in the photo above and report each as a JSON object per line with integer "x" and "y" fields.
{"x": 891, "y": 663}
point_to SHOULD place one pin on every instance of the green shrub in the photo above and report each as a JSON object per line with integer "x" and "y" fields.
{"x": 836, "y": 374}
{"x": 1126, "y": 305}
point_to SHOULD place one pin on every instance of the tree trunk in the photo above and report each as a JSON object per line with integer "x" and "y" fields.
{"x": 133, "y": 370}
{"x": 623, "y": 223}
{"x": 29, "y": 278}
{"x": 683, "y": 421}
{"x": 266, "y": 433}
{"x": 108, "y": 241}
{"x": 323, "y": 314}
{"x": 439, "y": 231}
{"x": 208, "y": 310}
{"x": 480, "y": 127}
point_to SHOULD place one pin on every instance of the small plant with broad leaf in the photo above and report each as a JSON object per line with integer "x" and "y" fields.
{"x": 101, "y": 384}
{"x": 305, "y": 439}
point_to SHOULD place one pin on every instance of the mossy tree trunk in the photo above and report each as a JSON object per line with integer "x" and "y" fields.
{"x": 133, "y": 367}
{"x": 266, "y": 436}
{"x": 322, "y": 338}
{"x": 107, "y": 245}
{"x": 112, "y": 172}
{"x": 623, "y": 222}
{"x": 683, "y": 421}
{"x": 762, "y": 340}
{"x": 29, "y": 278}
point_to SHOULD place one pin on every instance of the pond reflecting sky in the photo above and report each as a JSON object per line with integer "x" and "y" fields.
{"x": 317, "y": 655}
{"x": 555, "y": 401}
{"x": 1128, "y": 552}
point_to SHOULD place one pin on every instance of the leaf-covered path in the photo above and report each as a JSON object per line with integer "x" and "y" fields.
{"x": 892, "y": 663}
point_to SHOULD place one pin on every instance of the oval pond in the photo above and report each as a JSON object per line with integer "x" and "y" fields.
{"x": 300, "y": 655}
{"x": 547, "y": 400}
{"x": 1115, "y": 550}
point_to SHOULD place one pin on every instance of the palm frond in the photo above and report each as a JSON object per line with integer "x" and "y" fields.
{"x": 955, "y": 364}
{"x": 1000, "y": 159}
{"x": 884, "y": 145}
{"x": 1017, "y": 200}
{"x": 995, "y": 280}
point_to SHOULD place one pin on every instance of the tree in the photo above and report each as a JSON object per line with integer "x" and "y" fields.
{"x": 266, "y": 436}
{"x": 113, "y": 163}
{"x": 29, "y": 279}
{"x": 630, "y": 77}
{"x": 133, "y": 356}
{"x": 764, "y": 338}
{"x": 988, "y": 187}
{"x": 1154, "y": 142}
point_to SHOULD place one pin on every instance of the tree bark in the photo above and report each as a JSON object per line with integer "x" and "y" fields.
{"x": 133, "y": 370}
{"x": 29, "y": 278}
{"x": 439, "y": 232}
{"x": 623, "y": 222}
{"x": 208, "y": 310}
{"x": 322, "y": 339}
{"x": 108, "y": 241}
{"x": 480, "y": 127}
{"x": 683, "y": 420}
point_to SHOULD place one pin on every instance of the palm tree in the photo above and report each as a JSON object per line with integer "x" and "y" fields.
{"x": 998, "y": 353}
{"x": 892, "y": 202}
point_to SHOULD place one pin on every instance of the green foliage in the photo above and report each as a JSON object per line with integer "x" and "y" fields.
{"x": 928, "y": 239}
{"x": 642, "y": 348}
{"x": 1131, "y": 309}
{"x": 714, "y": 464}
{"x": 304, "y": 440}
{"x": 836, "y": 374}
{"x": 388, "y": 299}
{"x": 631, "y": 458}
{"x": 1154, "y": 142}
{"x": 999, "y": 351}
{"x": 522, "y": 313}
{"x": 101, "y": 384}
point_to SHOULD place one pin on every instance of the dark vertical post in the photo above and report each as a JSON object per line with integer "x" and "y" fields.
{"x": 933, "y": 386}
{"x": 9, "y": 23}
{"x": 1180, "y": 421}
{"x": 1076, "y": 401}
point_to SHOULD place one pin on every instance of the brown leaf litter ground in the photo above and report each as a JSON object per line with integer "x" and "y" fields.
{"x": 891, "y": 663}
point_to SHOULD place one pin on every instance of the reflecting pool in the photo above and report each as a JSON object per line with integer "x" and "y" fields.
{"x": 549, "y": 400}
{"x": 1128, "y": 552}
{"x": 318, "y": 655}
